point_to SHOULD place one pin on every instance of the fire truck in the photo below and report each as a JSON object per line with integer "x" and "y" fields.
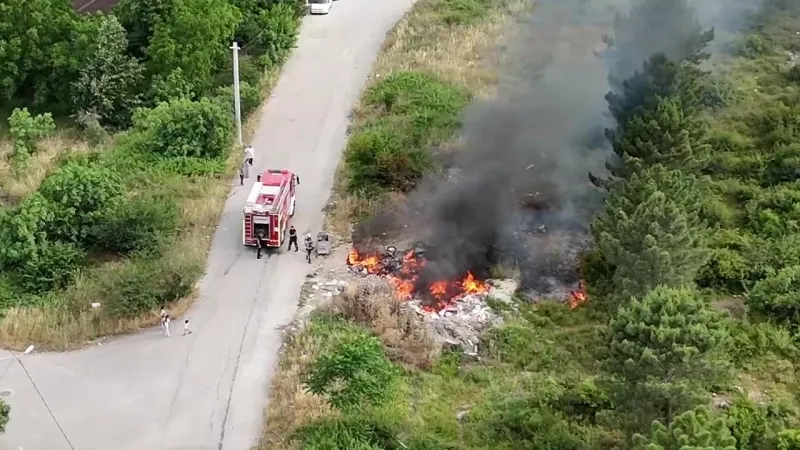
{"x": 269, "y": 206}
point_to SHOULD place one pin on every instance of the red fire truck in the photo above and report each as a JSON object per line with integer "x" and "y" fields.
{"x": 269, "y": 206}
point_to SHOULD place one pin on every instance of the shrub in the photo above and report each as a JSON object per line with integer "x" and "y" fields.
{"x": 54, "y": 266}
{"x": 355, "y": 432}
{"x": 788, "y": 440}
{"x": 172, "y": 86}
{"x": 5, "y": 411}
{"x": 355, "y": 373}
{"x": 24, "y": 230}
{"x": 409, "y": 112}
{"x": 747, "y": 422}
{"x": 778, "y": 296}
{"x": 183, "y": 128}
{"x": 250, "y": 96}
{"x": 692, "y": 429}
{"x": 382, "y": 158}
{"x": 81, "y": 193}
{"x": 27, "y": 130}
{"x": 462, "y": 12}
{"x": 144, "y": 285}
{"x": 140, "y": 224}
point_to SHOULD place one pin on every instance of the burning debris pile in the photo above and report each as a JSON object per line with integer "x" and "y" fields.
{"x": 405, "y": 273}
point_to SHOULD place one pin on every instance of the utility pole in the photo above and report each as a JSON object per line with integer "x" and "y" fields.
{"x": 237, "y": 100}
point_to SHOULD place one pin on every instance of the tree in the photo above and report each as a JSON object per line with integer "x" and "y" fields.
{"x": 664, "y": 352}
{"x": 34, "y": 46}
{"x": 81, "y": 194}
{"x": 666, "y": 135}
{"x": 778, "y": 296}
{"x": 27, "y": 130}
{"x": 354, "y": 374}
{"x": 269, "y": 27}
{"x": 195, "y": 38}
{"x": 692, "y": 430}
{"x": 139, "y": 18}
{"x": 650, "y": 232}
{"x": 184, "y": 128}
{"x": 106, "y": 86}
{"x": 24, "y": 230}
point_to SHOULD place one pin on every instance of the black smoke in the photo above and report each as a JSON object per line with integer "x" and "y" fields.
{"x": 517, "y": 191}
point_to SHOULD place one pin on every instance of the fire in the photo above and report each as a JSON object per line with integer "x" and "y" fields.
{"x": 578, "y": 296}
{"x": 402, "y": 274}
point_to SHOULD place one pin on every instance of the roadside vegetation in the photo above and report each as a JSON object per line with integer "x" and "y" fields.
{"x": 698, "y": 351}
{"x": 117, "y": 154}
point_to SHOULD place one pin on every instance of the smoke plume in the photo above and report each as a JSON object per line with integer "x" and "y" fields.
{"x": 517, "y": 190}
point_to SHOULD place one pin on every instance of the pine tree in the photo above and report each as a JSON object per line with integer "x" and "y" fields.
{"x": 664, "y": 352}
{"x": 692, "y": 430}
{"x": 650, "y": 232}
{"x": 666, "y": 135}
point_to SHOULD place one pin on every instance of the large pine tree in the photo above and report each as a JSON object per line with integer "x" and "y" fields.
{"x": 650, "y": 232}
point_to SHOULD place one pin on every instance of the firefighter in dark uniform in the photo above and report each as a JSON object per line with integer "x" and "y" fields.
{"x": 292, "y": 238}
{"x": 309, "y": 247}
{"x": 261, "y": 244}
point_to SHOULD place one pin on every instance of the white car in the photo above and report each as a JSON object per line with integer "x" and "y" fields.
{"x": 320, "y": 6}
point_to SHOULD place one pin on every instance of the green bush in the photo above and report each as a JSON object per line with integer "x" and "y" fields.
{"x": 748, "y": 423}
{"x": 144, "y": 285}
{"x": 81, "y": 193}
{"x": 761, "y": 340}
{"x": 356, "y": 372}
{"x": 352, "y": 432}
{"x": 54, "y": 266}
{"x": 788, "y": 440}
{"x": 5, "y": 411}
{"x": 462, "y": 12}
{"x": 250, "y": 96}
{"x": 692, "y": 429}
{"x": 140, "y": 224}
{"x": 409, "y": 111}
{"x": 183, "y": 128}
{"x": 778, "y": 296}
{"x": 382, "y": 158}
{"x": 27, "y": 130}
{"x": 171, "y": 87}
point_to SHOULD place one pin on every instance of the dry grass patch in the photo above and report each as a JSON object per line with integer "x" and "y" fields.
{"x": 16, "y": 184}
{"x": 402, "y": 333}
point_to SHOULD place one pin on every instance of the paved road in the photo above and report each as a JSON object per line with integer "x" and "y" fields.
{"x": 207, "y": 390}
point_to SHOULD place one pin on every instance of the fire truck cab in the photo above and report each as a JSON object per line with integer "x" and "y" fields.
{"x": 269, "y": 206}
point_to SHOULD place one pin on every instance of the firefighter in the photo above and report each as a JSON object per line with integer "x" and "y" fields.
{"x": 292, "y": 238}
{"x": 309, "y": 247}
{"x": 260, "y": 243}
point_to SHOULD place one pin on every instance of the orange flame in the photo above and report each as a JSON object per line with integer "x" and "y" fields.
{"x": 404, "y": 283}
{"x": 578, "y": 297}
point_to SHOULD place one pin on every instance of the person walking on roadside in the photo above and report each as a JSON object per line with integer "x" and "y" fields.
{"x": 186, "y": 329}
{"x": 292, "y": 238}
{"x": 241, "y": 175}
{"x": 249, "y": 154}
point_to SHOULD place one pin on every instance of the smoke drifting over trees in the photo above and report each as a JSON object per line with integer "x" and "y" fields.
{"x": 526, "y": 154}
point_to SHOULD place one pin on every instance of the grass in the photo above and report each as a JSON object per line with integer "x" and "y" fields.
{"x": 66, "y": 319}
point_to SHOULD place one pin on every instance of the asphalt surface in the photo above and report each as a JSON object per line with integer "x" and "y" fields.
{"x": 208, "y": 390}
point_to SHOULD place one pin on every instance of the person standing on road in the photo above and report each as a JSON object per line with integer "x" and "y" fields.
{"x": 292, "y": 238}
{"x": 249, "y": 154}
{"x": 167, "y": 320}
{"x": 186, "y": 329}
{"x": 241, "y": 175}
